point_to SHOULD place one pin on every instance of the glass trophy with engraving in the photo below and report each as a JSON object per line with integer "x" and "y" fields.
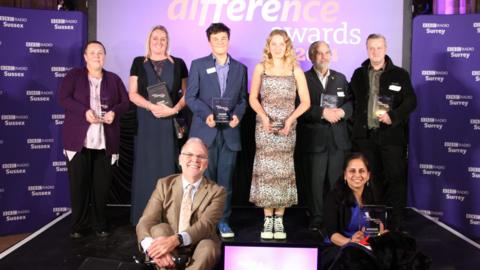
{"x": 373, "y": 218}
{"x": 104, "y": 108}
{"x": 158, "y": 94}
{"x": 382, "y": 105}
{"x": 328, "y": 101}
{"x": 221, "y": 110}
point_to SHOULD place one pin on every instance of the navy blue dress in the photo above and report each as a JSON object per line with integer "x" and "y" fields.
{"x": 156, "y": 146}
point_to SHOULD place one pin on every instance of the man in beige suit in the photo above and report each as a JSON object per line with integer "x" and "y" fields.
{"x": 158, "y": 229}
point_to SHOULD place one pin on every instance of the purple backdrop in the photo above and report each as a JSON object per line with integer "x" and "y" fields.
{"x": 444, "y": 152}
{"x": 123, "y": 25}
{"x": 37, "y": 48}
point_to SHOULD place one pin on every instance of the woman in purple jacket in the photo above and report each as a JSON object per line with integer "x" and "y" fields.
{"x": 93, "y": 99}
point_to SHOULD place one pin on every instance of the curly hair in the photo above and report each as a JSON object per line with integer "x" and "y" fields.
{"x": 290, "y": 57}
{"x": 147, "y": 44}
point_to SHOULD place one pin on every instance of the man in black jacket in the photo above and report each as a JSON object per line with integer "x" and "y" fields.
{"x": 379, "y": 131}
{"x": 322, "y": 137}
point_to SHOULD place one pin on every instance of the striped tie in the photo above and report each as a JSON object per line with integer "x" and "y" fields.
{"x": 185, "y": 209}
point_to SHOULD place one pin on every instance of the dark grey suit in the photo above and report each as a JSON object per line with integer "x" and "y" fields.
{"x": 321, "y": 146}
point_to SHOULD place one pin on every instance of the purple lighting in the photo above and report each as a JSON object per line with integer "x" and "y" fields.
{"x": 270, "y": 258}
{"x": 447, "y": 7}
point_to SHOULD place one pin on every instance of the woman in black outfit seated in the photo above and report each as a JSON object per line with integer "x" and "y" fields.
{"x": 342, "y": 207}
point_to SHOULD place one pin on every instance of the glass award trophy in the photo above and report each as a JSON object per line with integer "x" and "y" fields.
{"x": 277, "y": 124}
{"x": 104, "y": 108}
{"x": 328, "y": 101}
{"x": 158, "y": 94}
{"x": 372, "y": 217}
{"x": 382, "y": 105}
{"x": 221, "y": 110}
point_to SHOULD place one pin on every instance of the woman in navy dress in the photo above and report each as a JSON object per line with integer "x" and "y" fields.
{"x": 156, "y": 143}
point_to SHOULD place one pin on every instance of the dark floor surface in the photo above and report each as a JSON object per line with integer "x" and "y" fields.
{"x": 54, "y": 249}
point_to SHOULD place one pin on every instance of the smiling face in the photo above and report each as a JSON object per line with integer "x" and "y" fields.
{"x": 356, "y": 174}
{"x": 158, "y": 42}
{"x": 277, "y": 47}
{"x": 193, "y": 160}
{"x": 94, "y": 57}
{"x": 219, "y": 43}
{"x": 322, "y": 57}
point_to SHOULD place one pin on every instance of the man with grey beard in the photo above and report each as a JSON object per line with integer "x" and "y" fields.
{"x": 322, "y": 137}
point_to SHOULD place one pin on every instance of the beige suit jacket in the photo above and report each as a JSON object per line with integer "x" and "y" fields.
{"x": 164, "y": 207}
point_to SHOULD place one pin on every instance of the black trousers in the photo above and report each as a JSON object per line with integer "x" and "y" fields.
{"x": 389, "y": 181}
{"x": 316, "y": 168}
{"x": 90, "y": 177}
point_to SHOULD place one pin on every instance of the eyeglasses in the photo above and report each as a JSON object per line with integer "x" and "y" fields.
{"x": 190, "y": 156}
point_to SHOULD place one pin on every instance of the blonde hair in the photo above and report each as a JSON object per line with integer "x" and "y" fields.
{"x": 290, "y": 57}
{"x": 147, "y": 44}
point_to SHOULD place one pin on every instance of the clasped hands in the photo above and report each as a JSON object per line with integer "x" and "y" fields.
{"x": 210, "y": 121}
{"x": 160, "y": 251}
{"x": 161, "y": 110}
{"x": 92, "y": 118}
{"x": 333, "y": 115}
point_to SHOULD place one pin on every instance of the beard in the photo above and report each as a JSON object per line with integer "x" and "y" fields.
{"x": 321, "y": 66}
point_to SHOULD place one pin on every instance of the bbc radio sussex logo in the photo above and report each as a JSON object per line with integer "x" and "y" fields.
{"x": 460, "y": 52}
{"x": 455, "y": 194}
{"x": 435, "y": 28}
{"x": 38, "y": 143}
{"x": 35, "y": 47}
{"x": 13, "y": 71}
{"x": 60, "y": 210}
{"x": 434, "y": 75}
{"x": 39, "y": 190}
{"x": 59, "y": 71}
{"x": 63, "y": 24}
{"x": 456, "y": 147}
{"x": 39, "y": 95}
{"x": 15, "y": 215}
{"x": 458, "y": 100}
{"x": 475, "y": 124}
{"x": 58, "y": 119}
{"x": 431, "y": 169}
{"x": 59, "y": 165}
{"x": 15, "y": 168}
{"x": 13, "y": 22}
{"x": 14, "y": 120}
{"x": 433, "y": 123}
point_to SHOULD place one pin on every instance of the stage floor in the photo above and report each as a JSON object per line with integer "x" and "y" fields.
{"x": 54, "y": 249}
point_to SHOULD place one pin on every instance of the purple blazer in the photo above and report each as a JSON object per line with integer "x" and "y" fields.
{"x": 74, "y": 97}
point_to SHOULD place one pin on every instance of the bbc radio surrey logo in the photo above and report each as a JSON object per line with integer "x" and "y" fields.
{"x": 460, "y": 52}
{"x": 433, "y": 123}
{"x": 59, "y": 72}
{"x": 63, "y": 24}
{"x": 474, "y": 172}
{"x": 456, "y": 147}
{"x": 38, "y": 143}
{"x": 476, "y": 75}
{"x": 13, "y": 22}
{"x": 39, "y": 95}
{"x": 14, "y": 120}
{"x": 435, "y": 28}
{"x": 434, "y": 75}
{"x": 475, "y": 123}
{"x": 13, "y": 71}
{"x": 431, "y": 169}
{"x": 38, "y": 47}
{"x": 455, "y": 194}
{"x": 458, "y": 100}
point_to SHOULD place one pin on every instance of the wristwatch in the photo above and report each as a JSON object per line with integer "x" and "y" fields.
{"x": 180, "y": 239}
